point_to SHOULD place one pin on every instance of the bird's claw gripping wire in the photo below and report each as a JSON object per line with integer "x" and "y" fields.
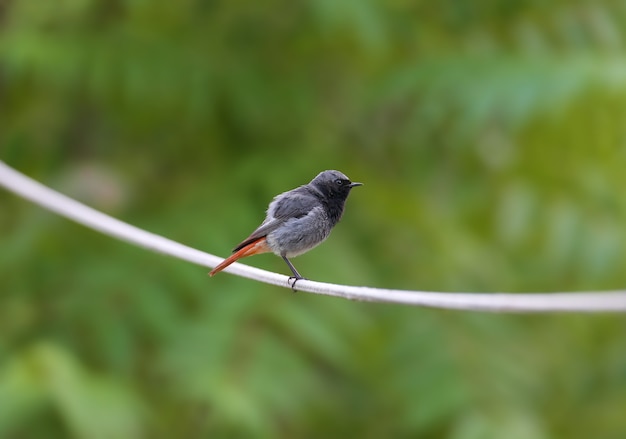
{"x": 295, "y": 279}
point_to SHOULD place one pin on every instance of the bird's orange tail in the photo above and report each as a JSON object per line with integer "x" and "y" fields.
{"x": 254, "y": 248}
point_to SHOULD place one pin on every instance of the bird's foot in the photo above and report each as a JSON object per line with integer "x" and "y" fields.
{"x": 295, "y": 279}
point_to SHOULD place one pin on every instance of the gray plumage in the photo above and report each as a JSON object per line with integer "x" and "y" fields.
{"x": 299, "y": 219}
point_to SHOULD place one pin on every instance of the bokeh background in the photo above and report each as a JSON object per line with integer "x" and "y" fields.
{"x": 491, "y": 138}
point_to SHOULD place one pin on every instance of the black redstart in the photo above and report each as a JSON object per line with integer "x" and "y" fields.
{"x": 297, "y": 220}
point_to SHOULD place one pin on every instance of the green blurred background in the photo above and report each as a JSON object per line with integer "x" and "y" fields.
{"x": 491, "y": 138}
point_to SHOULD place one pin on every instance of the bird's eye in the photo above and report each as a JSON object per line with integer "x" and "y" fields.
{"x": 339, "y": 182}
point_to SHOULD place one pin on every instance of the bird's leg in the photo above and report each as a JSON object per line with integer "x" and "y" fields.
{"x": 296, "y": 276}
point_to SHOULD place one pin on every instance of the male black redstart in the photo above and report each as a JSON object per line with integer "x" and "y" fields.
{"x": 297, "y": 220}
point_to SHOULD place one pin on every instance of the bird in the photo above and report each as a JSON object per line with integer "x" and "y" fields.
{"x": 297, "y": 221}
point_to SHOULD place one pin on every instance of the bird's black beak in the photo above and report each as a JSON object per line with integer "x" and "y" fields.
{"x": 355, "y": 184}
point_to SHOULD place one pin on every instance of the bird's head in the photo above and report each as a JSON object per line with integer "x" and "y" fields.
{"x": 333, "y": 184}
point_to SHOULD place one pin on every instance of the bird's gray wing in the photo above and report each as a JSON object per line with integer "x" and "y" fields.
{"x": 293, "y": 204}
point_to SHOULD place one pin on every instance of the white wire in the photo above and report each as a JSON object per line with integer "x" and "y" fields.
{"x": 612, "y": 301}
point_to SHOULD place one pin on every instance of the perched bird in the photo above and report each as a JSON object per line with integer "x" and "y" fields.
{"x": 297, "y": 220}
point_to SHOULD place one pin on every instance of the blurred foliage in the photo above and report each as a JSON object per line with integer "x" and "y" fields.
{"x": 490, "y": 135}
